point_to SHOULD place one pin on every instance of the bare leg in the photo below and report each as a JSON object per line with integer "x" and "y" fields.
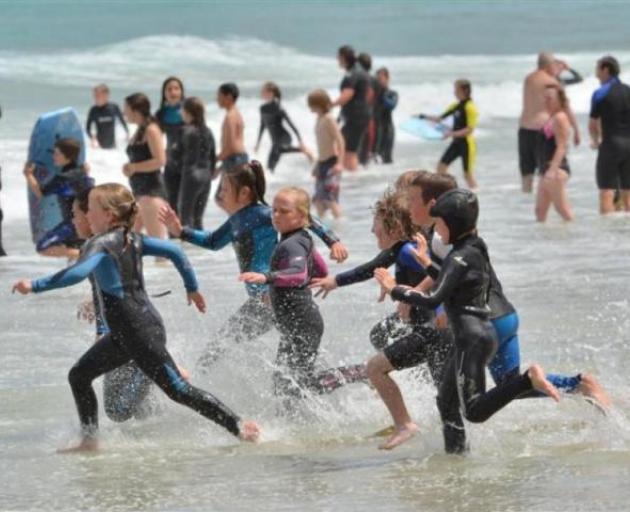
{"x": 378, "y": 369}
{"x": 607, "y": 201}
{"x": 590, "y": 387}
{"x": 350, "y": 161}
{"x": 471, "y": 181}
{"x": 61, "y": 251}
{"x": 560, "y": 197}
{"x": 320, "y": 208}
{"x": 540, "y": 382}
{"x": 87, "y": 444}
{"x": 149, "y": 207}
{"x": 335, "y": 209}
{"x": 543, "y": 200}
{"x": 527, "y": 183}
{"x": 442, "y": 168}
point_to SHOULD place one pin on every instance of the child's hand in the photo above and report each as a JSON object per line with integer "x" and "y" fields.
{"x": 29, "y": 169}
{"x": 86, "y": 167}
{"x": 441, "y": 321}
{"x": 325, "y": 285}
{"x": 421, "y": 252}
{"x": 338, "y": 252}
{"x": 253, "y": 278}
{"x": 338, "y": 168}
{"x": 127, "y": 171}
{"x": 385, "y": 279}
{"x": 94, "y": 143}
{"x": 197, "y": 299}
{"x": 169, "y": 218}
{"x": 24, "y": 287}
{"x": 447, "y": 134}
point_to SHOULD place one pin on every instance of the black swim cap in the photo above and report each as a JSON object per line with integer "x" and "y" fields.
{"x": 459, "y": 209}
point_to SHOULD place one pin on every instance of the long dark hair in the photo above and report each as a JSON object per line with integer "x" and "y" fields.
{"x": 251, "y": 175}
{"x": 197, "y": 110}
{"x": 273, "y": 88}
{"x": 140, "y": 103}
{"x": 165, "y": 84}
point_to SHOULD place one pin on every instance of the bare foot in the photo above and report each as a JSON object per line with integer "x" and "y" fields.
{"x": 87, "y": 444}
{"x": 400, "y": 436}
{"x": 540, "y": 382}
{"x": 591, "y": 388}
{"x": 249, "y": 431}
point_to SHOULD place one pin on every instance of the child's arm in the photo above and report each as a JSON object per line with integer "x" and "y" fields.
{"x": 213, "y": 240}
{"x": 28, "y": 171}
{"x": 121, "y": 118}
{"x": 320, "y": 269}
{"x": 294, "y": 260}
{"x": 286, "y": 117}
{"x": 261, "y": 130}
{"x": 340, "y": 144}
{"x": 91, "y": 119}
{"x": 158, "y": 154}
{"x": 338, "y": 251}
{"x": 365, "y": 271}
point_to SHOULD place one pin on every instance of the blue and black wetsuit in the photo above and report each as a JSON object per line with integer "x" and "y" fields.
{"x": 254, "y": 239}
{"x": 386, "y": 102}
{"x": 272, "y": 118}
{"x": 70, "y": 182}
{"x": 170, "y": 119}
{"x": 463, "y": 286}
{"x": 104, "y": 117}
{"x": 136, "y": 329}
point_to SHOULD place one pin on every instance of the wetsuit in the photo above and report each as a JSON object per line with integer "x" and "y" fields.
{"x": 464, "y": 116}
{"x": 272, "y": 117}
{"x": 547, "y": 149}
{"x": 104, "y": 117}
{"x": 355, "y": 113}
{"x": 197, "y": 155}
{"x": 254, "y": 239}
{"x": 368, "y": 142}
{"x": 385, "y": 104}
{"x": 463, "y": 286}
{"x": 170, "y": 119}
{"x": 611, "y": 105}
{"x": 144, "y": 183}
{"x": 137, "y": 331}
{"x": 66, "y": 185}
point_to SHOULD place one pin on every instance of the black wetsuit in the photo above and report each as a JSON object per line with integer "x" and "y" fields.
{"x": 463, "y": 285}
{"x": 197, "y": 155}
{"x": 144, "y": 183}
{"x": 272, "y": 117}
{"x": 355, "y": 113}
{"x": 170, "y": 119}
{"x": 137, "y": 331}
{"x": 368, "y": 142}
{"x": 105, "y": 119}
{"x": 386, "y": 102}
{"x": 611, "y": 105}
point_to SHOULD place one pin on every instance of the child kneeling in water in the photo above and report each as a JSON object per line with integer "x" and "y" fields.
{"x": 114, "y": 256}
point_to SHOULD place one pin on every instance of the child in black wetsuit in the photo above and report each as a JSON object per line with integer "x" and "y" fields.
{"x": 272, "y": 118}
{"x": 385, "y": 103}
{"x": 62, "y": 240}
{"x": 104, "y": 114}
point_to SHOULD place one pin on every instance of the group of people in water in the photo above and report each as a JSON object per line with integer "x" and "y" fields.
{"x": 452, "y": 312}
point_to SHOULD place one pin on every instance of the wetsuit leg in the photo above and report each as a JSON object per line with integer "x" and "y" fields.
{"x": 62, "y": 234}
{"x": 172, "y": 183}
{"x": 125, "y": 391}
{"x": 192, "y": 186}
{"x": 102, "y": 357}
{"x": 387, "y": 142}
{"x": 200, "y": 206}
{"x": 253, "y": 319}
{"x": 274, "y": 158}
{"x": 2, "y": 251}
{"x": 449, "y": 407}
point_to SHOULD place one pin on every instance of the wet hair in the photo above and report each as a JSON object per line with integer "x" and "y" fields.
{"x": 434, "y": 184}
{"x": 165, "y": 85}
{"x": 101, "y": 88}
{"x": 70, "y": 148}
{"x": 140, "y": 103}
{"x": 197, "y": 110}
{"x": 348, "y": 55}
{"x": 118, "y": 200}
{"x": 82, "y": 199}
{"x": 229, "y": 89}
{"x": 383, "y": 71}
{"x": 465, "y": 86}
{"x": 301, "y": 199}
{"x": 273, "y": 88}
{"x": 562, "y": 95}
{"x": 365, "y": 60}
{"x": 609, "y": 63}
{"x": 251, "y": 175}
{"x": 320, "y": 100}
{"x": 391, "y": 209}
{"x": 545, "y": 59}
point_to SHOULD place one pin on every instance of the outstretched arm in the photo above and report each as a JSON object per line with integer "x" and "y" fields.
{"x": 69, "y": 276}
{"x": 293, "y": 127}
{"x": 213, "y": 240}
{"x": 165, "y": 249}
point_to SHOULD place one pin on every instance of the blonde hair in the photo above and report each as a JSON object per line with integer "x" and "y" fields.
{"x": 319, "y": 99}
{"x": 391, "y": 209}
{"x": 301, "y": 199}
{"x": 118, "y": 200}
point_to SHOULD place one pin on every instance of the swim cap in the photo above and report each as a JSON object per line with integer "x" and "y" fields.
{"x": 459, "y": 209}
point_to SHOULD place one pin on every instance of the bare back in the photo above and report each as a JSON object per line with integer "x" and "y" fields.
{"x": 326, "y": 135}
{"x": 535, "y": 114}
{"x": 232, "y": 133}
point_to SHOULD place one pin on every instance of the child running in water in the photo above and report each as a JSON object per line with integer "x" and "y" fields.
{"x": 250, "y": 231}
{"x": 330, "y": 154}
{"x": 62, "y": 240}
{"x": 114, "y": 256}
{"x": 272, "y": 118}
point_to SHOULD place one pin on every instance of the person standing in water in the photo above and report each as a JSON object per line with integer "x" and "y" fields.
{"x": 169, "y": 117}
{"x": 104, "y": 114}
{"x": 552, "y": 160}
{"x": 609, "y": 128}
{"x": 272, "y": 118}
{"x": 534, "y": 115}
{"x": 195, "y": 152}
{"x": 385, "y": 103}
{"x": 114, "y": 256}
{"x": 146, "y": 158}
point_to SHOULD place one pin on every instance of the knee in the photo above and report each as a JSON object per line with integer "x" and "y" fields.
{"x": 76, "y": 377}
{"x": 377, "y": 366}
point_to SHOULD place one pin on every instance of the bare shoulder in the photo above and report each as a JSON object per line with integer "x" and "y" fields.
{"x": 153, "y": 130}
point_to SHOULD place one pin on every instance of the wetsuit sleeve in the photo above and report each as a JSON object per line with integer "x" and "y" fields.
{"x": 575, "y": 77}
{"x": 188, "y": 151}
{"x": 261, "y": 130}
{"x": 449, "y": 111}
{"x": 54, "y": 186}
{"x": 595, "y": 105}
{"x": 384, "y": 259}
{"x": 293, "y": 265}
{"x": 323, "y": 232}
{"x": 91, "y": 119}
{"x": 320, "y": 269}
{"x": 471, "y": 114}
{"x": 452, "y": 272}
{"x": 213, "y": 240}
{"x": 390, "y": 100}
{"x": 286, "y": 117}
{"x": 69, "y": 276}
{"x": 99, "y": 317}
{"x": 212, "y": 152}
{"x": 407, "y": 259}
{"x": 165, "y": 249}
{"x": 121, "y": 118}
